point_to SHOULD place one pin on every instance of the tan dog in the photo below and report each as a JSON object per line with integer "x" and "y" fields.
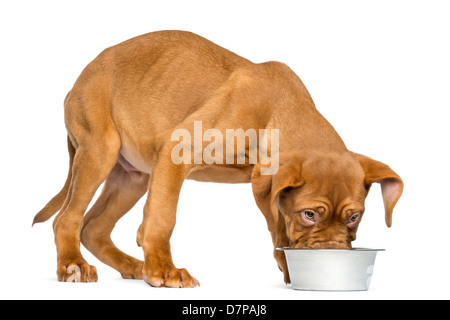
{"x": 120, "y": 115}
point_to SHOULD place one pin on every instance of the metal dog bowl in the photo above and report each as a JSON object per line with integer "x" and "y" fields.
{"x": 330, "y": 269}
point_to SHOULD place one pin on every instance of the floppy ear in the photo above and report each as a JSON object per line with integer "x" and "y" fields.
{"x": 391, "y": 183}
{"x": 267, "y": 187}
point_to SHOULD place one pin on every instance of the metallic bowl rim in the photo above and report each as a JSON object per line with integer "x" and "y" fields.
{"x": 330, "y": 250}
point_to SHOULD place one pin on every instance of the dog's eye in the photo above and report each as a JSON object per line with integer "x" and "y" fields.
{"x": 353, "y": 219}
{"x": 309, "y": 215}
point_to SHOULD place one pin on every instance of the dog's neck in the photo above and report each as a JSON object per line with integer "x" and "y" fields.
{"x": 306, "y": 129}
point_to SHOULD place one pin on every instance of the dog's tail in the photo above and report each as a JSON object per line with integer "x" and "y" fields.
{"x": 57, "y": 202}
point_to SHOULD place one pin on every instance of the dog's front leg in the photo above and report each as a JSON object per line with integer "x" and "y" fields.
{"x": 281, "y": 241}
{"x": 158, "y": 224}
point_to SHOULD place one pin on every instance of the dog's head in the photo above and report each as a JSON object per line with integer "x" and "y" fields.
{"x": 317, "y": 199}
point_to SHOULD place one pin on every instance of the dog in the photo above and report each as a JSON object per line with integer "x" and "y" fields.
{"x": 120, "y": 116}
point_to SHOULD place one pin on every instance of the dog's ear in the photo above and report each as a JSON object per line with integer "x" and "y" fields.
{"x": 391, "y": 183}
{"x": 267, "y": 187}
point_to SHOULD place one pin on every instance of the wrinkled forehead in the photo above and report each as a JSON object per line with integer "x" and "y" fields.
{"x": 334, "y": 177}
{"x": 329, "y": 167}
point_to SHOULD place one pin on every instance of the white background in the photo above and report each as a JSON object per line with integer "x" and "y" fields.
{"x": 379, "y": 71}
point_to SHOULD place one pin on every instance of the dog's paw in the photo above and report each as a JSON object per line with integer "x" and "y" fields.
{"x": 132, "y": 270}
{"x": 171, "y": 277}
{"x": 77, "y": 272}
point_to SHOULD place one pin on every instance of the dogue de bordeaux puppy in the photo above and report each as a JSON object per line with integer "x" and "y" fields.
{"x": 120, "y": 117}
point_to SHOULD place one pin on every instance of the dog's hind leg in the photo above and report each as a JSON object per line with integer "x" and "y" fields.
{"x": 97, "y": 145}
{"x": 120, "y": 193}
{"x": 94, "y": 160}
